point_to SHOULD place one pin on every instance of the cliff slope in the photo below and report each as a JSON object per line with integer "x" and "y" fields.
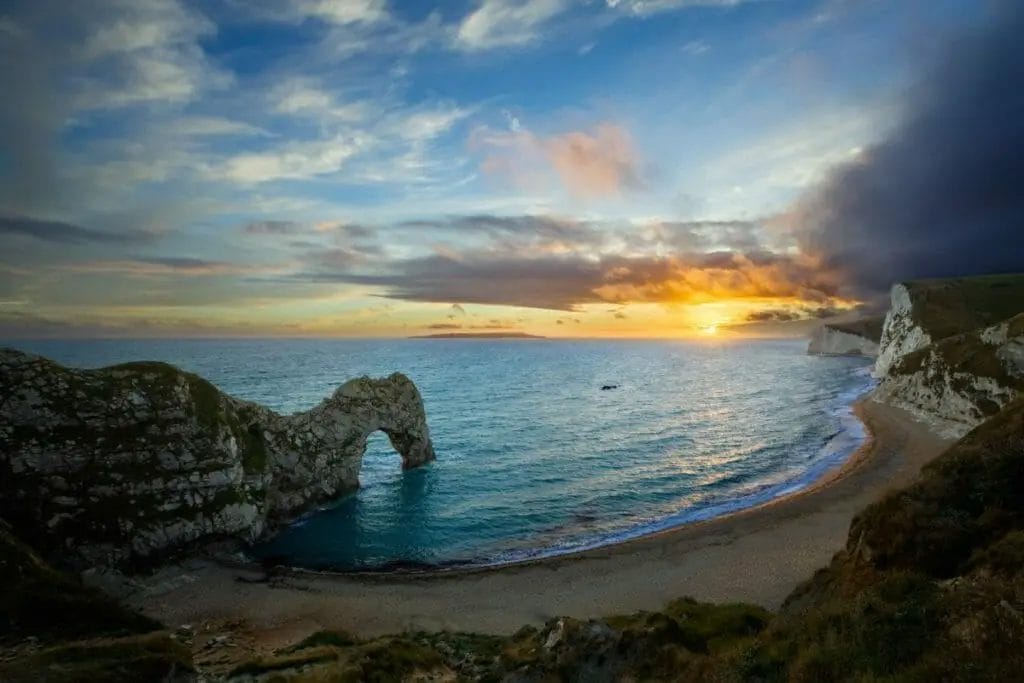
{"x": 926, "y": 311}
{"x": 857, "y": 338}
{"x": 53, "y": 628}
{"x": 122, "y": 465}
{"x": 959, "y": 381}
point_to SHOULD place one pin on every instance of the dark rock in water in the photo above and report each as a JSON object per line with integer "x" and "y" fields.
{"x": 123, "y": 465}
{"x": 606, "y": 387}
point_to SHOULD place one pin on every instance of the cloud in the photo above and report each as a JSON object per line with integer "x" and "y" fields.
{"x": 772, "y": 314}
{"x": 696, "y": 47}
{"x": 337, "y": 13}
{"x": 941, "y": 195}
{"x": 149, "y": 51}
{"x": 443, "y": 326}
{"x": 63, "y": 233}
{"x": 211, "y": 126}
{"x": 505, "y": 23}
{"x": 292, "y": 161}
{"x": 190, "y": 265}
{"x": 344, "y": 11}
{"x": 601, "y": 162}
{"x": 564, "y": 282}
{"x": 457, "y": 308}
{"x": 514, "y": 23}
{"x": 304, "y": 97}
{"x": 80, "y": 61}
{"x": 273, "y": 228}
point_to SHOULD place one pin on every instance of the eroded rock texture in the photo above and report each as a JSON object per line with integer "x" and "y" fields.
{"x": 957, "y": 383}
{"x": 125, "y": 464}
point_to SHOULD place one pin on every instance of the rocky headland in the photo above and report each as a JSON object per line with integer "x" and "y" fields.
{"x": 127, "y": 465}
{"x": 856, "y": 338}
{"x": 952, "y": 351}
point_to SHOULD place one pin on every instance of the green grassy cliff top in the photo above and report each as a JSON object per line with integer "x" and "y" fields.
{"x": 955, "y": 305}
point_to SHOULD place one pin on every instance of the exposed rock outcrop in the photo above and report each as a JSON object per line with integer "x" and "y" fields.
{"x": 926, "y": 311}
{"x": 125, "y": 464}
{"x": 857, "y": 338}
{"x": 960, "y": 381}
{"x": 951, "y": 349}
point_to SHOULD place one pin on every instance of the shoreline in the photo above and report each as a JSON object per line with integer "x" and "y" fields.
{"x": 755, "y": 555}
{"x": 630, "y": 535}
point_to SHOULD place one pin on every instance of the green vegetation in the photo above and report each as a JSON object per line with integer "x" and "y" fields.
{"x": 336, "y": 657}
{"x": 42, "y": 602}
{"x": 962, "y": 360}
{"x": 132, "y": 659}
{"x": 948, "y": 307}
{"x": 77, "y": 633}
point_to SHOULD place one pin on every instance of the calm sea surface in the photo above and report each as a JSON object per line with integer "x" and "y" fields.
{"x": 533, "y": 457}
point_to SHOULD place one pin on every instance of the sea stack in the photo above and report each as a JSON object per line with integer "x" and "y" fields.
{"x": 124, "y": 465}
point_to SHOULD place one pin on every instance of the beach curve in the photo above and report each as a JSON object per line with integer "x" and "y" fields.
{"x": 755, "y": 555}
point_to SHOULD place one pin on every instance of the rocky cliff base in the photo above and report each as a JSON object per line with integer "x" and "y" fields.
{"x": 125, "y": 465}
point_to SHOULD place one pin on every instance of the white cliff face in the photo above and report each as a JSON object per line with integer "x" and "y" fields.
{"x": 133, "y": 462}
{"x": 958, "y": 382}
{"x": 901, "y": 334}
{"x": 829, "y": 341}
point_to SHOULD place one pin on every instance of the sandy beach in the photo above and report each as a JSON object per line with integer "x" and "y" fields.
{"x": 758, "y": 555}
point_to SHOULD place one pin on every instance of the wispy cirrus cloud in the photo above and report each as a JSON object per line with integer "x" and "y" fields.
{"x": 504, "y": 23}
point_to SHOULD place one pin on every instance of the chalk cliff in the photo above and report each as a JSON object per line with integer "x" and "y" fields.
{"x": 926, "y": 311}
{"x": 960, "y": 381}
{"x": 857, "y": 338}
{"x": 952, "y": 351}
{"x": 122, "y": 465}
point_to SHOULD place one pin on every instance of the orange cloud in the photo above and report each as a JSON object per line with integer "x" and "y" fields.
{"x": 601, "y": 162}
{"x": 597, "y": 164}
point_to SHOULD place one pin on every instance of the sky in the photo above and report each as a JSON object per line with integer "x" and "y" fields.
{"x": 569, "y": 168}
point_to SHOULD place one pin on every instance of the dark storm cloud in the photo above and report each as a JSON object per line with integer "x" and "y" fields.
{"x": 944, "y": 194}
{"x": 772, "y": 314}
{"x": 797, "y": 313}
{"x": 62, "y": 233}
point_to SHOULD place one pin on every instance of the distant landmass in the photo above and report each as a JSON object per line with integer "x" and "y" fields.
{"x": 478, "y": 335}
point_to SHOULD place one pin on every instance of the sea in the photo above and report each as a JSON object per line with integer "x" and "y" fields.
{"x": 534, "y": 456}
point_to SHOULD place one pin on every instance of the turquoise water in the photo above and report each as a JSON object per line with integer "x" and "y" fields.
{"x": 533, "y": 458}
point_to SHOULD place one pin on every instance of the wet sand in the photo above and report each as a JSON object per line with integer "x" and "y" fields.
{"x": 757, "y": 555}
